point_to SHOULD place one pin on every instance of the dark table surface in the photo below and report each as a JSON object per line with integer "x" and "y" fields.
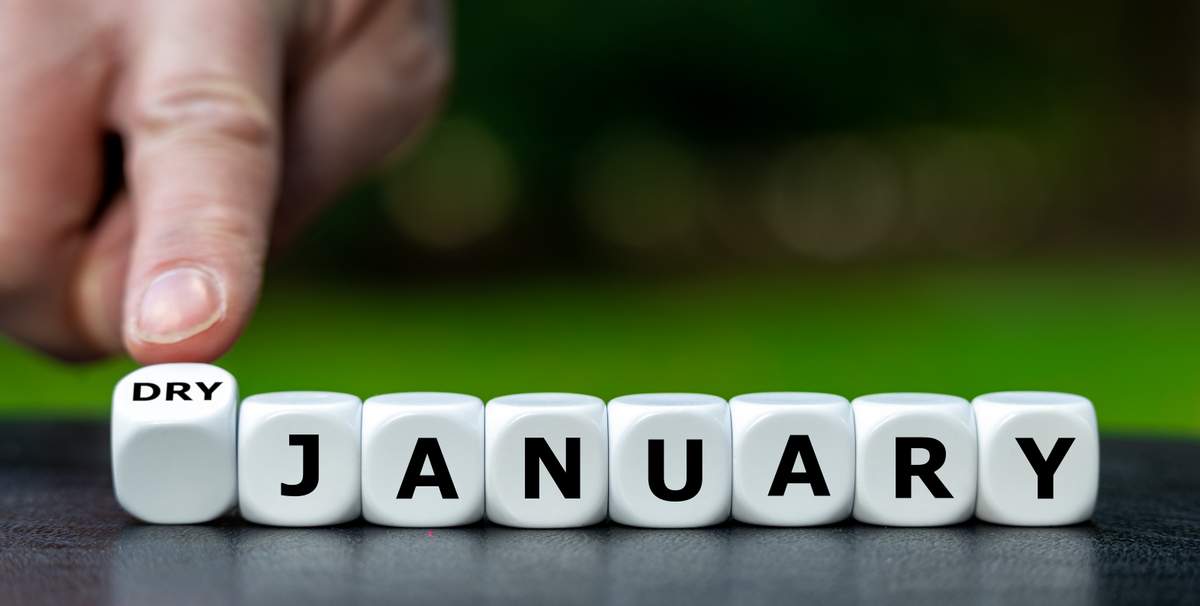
{"x": 63, "y": 539}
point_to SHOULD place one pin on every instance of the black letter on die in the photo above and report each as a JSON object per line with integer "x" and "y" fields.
{"x": 798, "y": 445}
{"x": 566, "y": 478}
{"x": 906, "y": 471}
{"x": 208, "y": 389}
{"x": 310, "y": 473}
{"x": 658, "y": 470}
{"x": 178, "y": 390}
{"x": 1045, "y": 467}
{"x": 137, "y": 392}
{"x": 427, "y": 449}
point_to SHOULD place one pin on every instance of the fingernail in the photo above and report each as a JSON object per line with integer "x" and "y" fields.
{"x": 178, "y": 304}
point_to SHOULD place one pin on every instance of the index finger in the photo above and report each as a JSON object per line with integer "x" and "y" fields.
{"x": 200, "y": 112}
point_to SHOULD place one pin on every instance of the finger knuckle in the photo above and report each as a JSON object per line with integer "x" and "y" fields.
{"x": 411, "y": 87}
{"x": 205, "y": 107}
{"x": 220, "y": 233}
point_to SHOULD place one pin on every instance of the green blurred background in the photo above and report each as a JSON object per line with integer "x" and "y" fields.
{"x": 738, "y": 196}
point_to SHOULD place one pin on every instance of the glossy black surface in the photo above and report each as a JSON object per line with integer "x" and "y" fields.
{"x": 64, "y": 540}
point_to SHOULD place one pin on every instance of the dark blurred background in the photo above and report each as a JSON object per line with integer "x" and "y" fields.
{"x": 753, "y": 195}
{"x": 677, "y": 135}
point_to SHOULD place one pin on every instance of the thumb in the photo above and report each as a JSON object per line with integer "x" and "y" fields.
{"x": 199, "y": 111}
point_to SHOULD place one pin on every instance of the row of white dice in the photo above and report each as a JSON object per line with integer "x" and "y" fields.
{"x": 181, "y": 455}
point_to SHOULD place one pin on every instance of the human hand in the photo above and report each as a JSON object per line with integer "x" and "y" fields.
{"x": 238, "y": 120}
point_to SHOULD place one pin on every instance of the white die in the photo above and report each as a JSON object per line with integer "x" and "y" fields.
{"x": 1039, "y": 458}
{"x": 422, "y": 459}
{"x": 901, "y": 478}
{"x": 298, "y": 458}
{"x": 174, "y": 448}
{"x": 547, "y": 460}
{"x": 793, "y": 458}
{"x": 670, "y": 460}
